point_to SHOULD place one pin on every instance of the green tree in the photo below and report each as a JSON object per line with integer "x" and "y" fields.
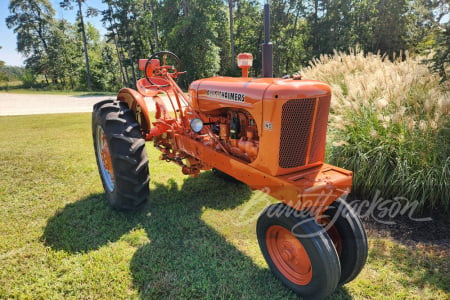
{"x": 111, "y": 25}
{"x": 441, "y": 58}
{"x": 29, "y": 78}
{"x": 152, "y": 6}
{"x": 3, "y": 75}
{"x": 429, "y": 31}
{"x": 248, "y": 26}
{"x": 56, "y": 56}
{"x": 314, "y": 12}
{"x": 362, "y": 24}
{"x": 194, "y": 30}
{"x": 104, "y": 65}
{"x": 232, "y": 41}
{"x": 288, "y": 36}
{"x": 389, "y": 27}
{"x": 129, "y": 33}
{"x": 32, "y": 21}
{"x": 67, "y": 4}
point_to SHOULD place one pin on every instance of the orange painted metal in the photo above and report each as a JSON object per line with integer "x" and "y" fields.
{"x": 153, "y": 65}
{"x": 289, "y": 255}
{"x": 141, "y": 63}
{"x": 106, "y": 157}
{"x": 137, "y": 104}
{"x": 146, "y": 89}
{"x": 245, "y": 61}
{"x": 264, "y": 100}
{"x": 268, "y": 133}
{"x": 316, "y": 187}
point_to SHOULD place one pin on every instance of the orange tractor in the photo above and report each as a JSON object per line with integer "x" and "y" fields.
{"x": 268, "y": 133}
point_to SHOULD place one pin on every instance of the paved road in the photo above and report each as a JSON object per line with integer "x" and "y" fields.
{"x": 30, "y": 104}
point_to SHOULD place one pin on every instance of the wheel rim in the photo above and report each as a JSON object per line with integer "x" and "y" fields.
{"x": 334, "y": 235}
{"x": 104, "y": 157}
{"x": 288, "y": 255}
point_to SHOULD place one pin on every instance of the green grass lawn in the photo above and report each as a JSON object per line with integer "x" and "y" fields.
{"x": 195, "y": 239}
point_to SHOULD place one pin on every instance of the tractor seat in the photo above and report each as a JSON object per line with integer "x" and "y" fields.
{"x": 147, "y": 89}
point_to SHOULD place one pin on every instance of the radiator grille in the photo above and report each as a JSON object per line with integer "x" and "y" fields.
{"x": 296, "y": 122}
{"x": 320, "y": 131}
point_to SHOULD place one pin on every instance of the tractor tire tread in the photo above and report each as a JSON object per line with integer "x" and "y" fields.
{"x": 141, "y": 166}
{"x": 131, "y": 127}
{"x": 355, "y": 247}
{"x": 137, "y": 145}
{"x": 128, "y": 159}
{"x": 128, "y": 155}
{"x": 316, "y": 242}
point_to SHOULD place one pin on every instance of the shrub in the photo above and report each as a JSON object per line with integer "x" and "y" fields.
{"x": 389, "y": 123}
{"x": 28, "y": 79}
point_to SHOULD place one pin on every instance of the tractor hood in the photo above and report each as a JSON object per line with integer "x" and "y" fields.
{"x": 246, "y": 93}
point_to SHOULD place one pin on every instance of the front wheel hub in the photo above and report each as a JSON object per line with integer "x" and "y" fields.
{"x": 289, "y": 255}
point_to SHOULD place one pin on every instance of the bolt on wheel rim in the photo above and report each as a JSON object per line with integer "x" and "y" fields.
{"x": 289, "y": 255}
{"x": 104, "y": 157}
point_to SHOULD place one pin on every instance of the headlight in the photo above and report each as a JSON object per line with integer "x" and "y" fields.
{"x": 196, "y": 125}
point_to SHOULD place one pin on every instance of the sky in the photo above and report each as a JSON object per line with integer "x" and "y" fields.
{"x": 8, "y": 41}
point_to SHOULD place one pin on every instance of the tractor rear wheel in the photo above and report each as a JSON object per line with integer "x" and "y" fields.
{"x": 120, "y": 153}
{"x": 349, "y": 237}
{"x": 298, "y": 251}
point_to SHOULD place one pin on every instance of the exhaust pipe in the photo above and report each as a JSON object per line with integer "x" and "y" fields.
{"x": 267, "y": 49}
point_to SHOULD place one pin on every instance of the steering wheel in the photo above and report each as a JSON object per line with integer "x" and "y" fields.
{"x": 155, "y": 71}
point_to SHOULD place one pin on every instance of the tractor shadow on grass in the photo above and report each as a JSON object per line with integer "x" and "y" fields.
{"x": 86, "y": 225}
{"x": 185, "y": 257}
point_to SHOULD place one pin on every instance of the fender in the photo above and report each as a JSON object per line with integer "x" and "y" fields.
{"x": 137, "y": 104}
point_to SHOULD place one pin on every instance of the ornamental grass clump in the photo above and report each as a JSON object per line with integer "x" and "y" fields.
{"x": 389, "y": 123}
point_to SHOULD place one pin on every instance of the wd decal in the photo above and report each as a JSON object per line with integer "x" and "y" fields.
{"x": 224, "y": 95}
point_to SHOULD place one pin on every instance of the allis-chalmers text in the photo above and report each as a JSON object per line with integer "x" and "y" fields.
{"x": 224, "y": 95}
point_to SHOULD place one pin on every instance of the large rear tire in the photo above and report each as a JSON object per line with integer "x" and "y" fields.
{"x": 298, "y": 251}
{"x": 349, "y": 237}
{"x": 120, "y": 153}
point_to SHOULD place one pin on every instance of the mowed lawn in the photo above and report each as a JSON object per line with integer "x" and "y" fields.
{"x": 194, "y": 240}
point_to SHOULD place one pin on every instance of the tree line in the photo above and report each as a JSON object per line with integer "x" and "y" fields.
{"x": 207, "y": 35}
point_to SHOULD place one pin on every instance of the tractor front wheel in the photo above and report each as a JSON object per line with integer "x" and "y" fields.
{"x": 298, "y": 251}
{"x": 349, "y": 237}
{"x": 120, "y": 153}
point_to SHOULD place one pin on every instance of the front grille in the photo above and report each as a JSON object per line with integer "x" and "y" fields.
{"x": 317, "y": 152}
{"x": 296, "y": 121}
{"x": 296, "y": 126}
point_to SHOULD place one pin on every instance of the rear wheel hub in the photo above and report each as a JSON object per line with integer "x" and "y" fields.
{"x": 104, "y": 155}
